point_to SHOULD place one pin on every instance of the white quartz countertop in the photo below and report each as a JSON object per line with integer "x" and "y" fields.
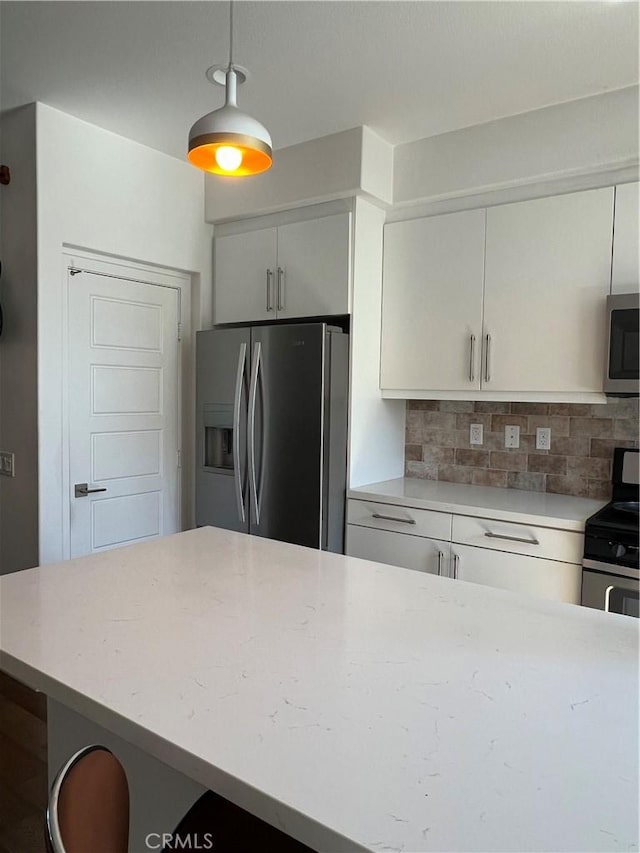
{"x": 356, "y": 705}
{"x": 547, "y": 510}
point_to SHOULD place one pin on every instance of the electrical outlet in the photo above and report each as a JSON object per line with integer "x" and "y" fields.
{"x": 512, "y": 436}
{"x": 543, "y": 438}
{"x": 475, "y": 434}
{"x": 7, "y": 464}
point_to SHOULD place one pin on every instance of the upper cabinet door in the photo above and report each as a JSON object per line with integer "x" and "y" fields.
{"x": 547, "y": 273}
{"x": 432, "y": 303}
{"x": 626, "y": 237}
{"x": 244, "y": 277}
{"x": 312, "y": 276}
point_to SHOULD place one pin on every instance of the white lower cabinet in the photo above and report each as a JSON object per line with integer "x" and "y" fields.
{"x": 539, "y": 561}
{"x": 398, "y": 549}
{"x": 517, "y": 572}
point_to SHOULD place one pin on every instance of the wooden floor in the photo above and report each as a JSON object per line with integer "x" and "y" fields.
{"x": 23, "y": 767}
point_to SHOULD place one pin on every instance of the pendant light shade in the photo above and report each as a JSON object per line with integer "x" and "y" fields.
{"x": 228, "y": 141}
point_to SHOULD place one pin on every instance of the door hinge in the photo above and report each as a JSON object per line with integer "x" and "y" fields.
{"x": 179, "y": 331}
{"x": 179, "y": 453}
{"x": 74, "y": 271}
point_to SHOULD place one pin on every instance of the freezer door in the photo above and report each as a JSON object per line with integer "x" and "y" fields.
{"x": 222, "y": 376}
{"x": 285, "y": 432}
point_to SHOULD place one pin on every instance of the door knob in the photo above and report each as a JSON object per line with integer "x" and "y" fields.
{"x": 81, "y": 490}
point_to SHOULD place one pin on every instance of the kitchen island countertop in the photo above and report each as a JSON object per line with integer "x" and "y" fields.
{"x": 356, "y": 705}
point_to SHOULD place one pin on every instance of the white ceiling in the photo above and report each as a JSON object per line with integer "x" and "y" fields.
{"x": 406, "y": 69}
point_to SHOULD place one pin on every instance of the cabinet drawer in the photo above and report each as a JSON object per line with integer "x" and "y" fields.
{"x": 402, "y": 519}
{"x": 563, "y": 545}
{"x": 397, "y": 549}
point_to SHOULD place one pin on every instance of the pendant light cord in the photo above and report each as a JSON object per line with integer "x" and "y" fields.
{"x": 230, "y": 33}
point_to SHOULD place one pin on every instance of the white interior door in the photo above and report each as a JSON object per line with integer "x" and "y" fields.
{"x": 123, "y": 411}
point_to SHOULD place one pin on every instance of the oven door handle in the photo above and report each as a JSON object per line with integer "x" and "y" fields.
{"x": 607, "y": 598}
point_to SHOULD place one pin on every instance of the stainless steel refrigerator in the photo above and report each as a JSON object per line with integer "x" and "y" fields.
{"x": 271, "y": 432}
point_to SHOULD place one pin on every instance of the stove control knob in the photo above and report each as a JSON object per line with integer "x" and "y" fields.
{"x": 619, "y": 550}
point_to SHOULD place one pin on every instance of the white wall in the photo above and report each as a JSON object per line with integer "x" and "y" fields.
{"x": 581, "y": 137}
{"x": 100, "y": 192}
{"x": 18, "y": 365}
{"x": 315, "y": 171}
{"x": 376, "y": 428}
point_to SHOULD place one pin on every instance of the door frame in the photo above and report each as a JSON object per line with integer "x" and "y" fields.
{"x": 114, "y": 267}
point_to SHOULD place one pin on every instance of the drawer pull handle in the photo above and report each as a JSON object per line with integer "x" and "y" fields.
{"x": 531, "y": 541}
{"x": 393, "y": 518}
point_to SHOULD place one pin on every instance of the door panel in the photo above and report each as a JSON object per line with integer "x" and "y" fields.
{"x": 121, "y": 521}
{"x": 432, "y": 302}
{"x": 126, "y": 454}
{"x": 241, "y": 280}
{"x": 119, "y": 323}
{"x": 289, "y": 411}
{"x": 123, "y": 411}
{"x": 548, "y": 267}
{"x": 126, "y": 390}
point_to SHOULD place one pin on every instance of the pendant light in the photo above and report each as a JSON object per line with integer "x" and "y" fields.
{"x": 228, "y": 141}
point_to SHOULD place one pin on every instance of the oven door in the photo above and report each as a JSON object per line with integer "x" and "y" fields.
{"x": 615, "y": 593}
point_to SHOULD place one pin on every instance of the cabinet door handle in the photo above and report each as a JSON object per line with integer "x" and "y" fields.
{"x": 528, "y": 541}
{"x": 269, "y": 283}
{"x": 456, "y": 565}
{"x": 440, "y": 559}
{"x": 487, "y": 353}
{"x": 472, "y": 352}
{"x": 280, "y": 289}
{"x": 393, "y": 518}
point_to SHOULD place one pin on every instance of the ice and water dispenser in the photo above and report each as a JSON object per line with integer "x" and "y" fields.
{"x": 218, "y": 437}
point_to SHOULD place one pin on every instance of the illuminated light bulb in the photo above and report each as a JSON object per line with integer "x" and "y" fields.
{"x": 228, "y": 158}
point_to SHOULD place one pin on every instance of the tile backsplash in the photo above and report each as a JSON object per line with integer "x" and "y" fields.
{"x": 583, "y": 437}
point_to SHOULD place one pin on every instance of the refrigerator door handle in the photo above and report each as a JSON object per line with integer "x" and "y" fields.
{"x": 253, "y": 394}
{"x": 237, "y": 474}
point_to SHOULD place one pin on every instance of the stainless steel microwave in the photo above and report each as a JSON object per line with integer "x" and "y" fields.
{"x": 622, "y": 377}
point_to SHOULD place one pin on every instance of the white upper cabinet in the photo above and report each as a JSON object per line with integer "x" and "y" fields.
{"x": 547, "y": 273}
{"x": 244, "y": 269}
{"x": 313, "y": 267}
{"x": 626, "y": 273}
{"x": 432, "y": 302}
{"x": 300, "y": 269}
{"x": 508, "y": 301}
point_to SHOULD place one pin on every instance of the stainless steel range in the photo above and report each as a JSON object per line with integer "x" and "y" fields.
{"x": 610, "y": 572}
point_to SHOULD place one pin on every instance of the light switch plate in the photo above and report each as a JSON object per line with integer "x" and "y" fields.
{"x": 512, "y": 436}
{"x": 7, "y": 464}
